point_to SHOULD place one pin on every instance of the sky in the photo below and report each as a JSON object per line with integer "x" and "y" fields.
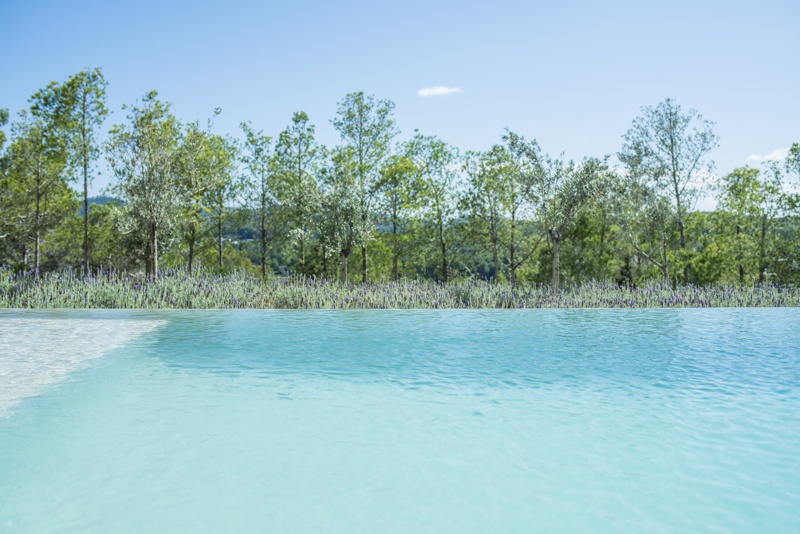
{"x": 573, "y": 75}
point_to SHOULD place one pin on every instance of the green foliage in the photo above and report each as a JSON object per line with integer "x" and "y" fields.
{"x": 211, "y": 206}
{"x": 298, "y": 160}
{"x": 498, "y": 210}
{"x": 35, "y": 196}
{"x": 664, "y": 153}
{"x": 746, "y": 207}
{"x": 437, "y": 164}
{"x": 260, "y": 193}
{"x": 343, "y": 223}
{"x": 793, "y": 161}
{"x": 399, "y": 188}
{"x": 367, "y": 127}
{"x": 225, "y": 187}
{"x": 558, "y": 190}
{"x": 143, "y": 155}
{"x": 84, "y": 95}
{"x": 3, "y": 122}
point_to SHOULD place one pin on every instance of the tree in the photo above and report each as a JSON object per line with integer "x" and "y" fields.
{"x": 5, "y": 225}
{"x": 559, "y": 190}
{"x": 787, "y": 266}
{"x": 792, "y": 160}
{"x": 648, "y": 220}
{"x": 109, "y": 245}
{"x": 37, "y": 196}
{"x": 85, "y": 93}
{"x": 740, "y": 196}
{"x": 496, "y": 205}
{"x": 38, "y": 174}
{"x": 341, "y": 225}
{"x": 399, "y": 189}
{"x": 367, "y": 128}
{"x": 260, "y": 188}
{"x": 596, "y": 251}
{"x": 143, "y": 158}
{"x": 4, "y": 163}
{"x": 438, "y": 167}
{"x": 195, "y": 180}
{"x": 754, "y": 205}
{"x": 518, "y": 212}
{"x": 297, "y": 160}
{"x": 482, "y": 200}
{"x": 3, "y": 122}
{"x": 219, "y": 157}
{"x": 668, "y": 147}
{"x": 205, "y": 167}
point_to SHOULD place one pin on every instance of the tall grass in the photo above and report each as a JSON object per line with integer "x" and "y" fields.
{"x": 204, "y": 290}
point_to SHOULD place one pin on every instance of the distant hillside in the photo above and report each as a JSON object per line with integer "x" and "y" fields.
{"x": 99, "y": 200}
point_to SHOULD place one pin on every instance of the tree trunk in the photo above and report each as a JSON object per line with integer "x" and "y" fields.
{"x": 626, "y": 272}
{"x": 219, "y": 241}
{"x": 263, "y": 259}
{"x": 148, "y": 256}
{"x": 762, "y": 256}
{"x": 741, "y": 267}
{"x": 443, "y": 246}
{"x": 597, "y": 272}
{"x": 36, "y": 238}
{"x": 151, "y": 260}
{"x": 395, "y": 272}
{"x": 344, "y": 267}
{"x": 263, "y": 241}
{"x": 512, "y": 249}
{"x": 85, "y": 214}
{"x": 36, "y": 254}
{"x": 495, "y": 259}
{"x": 303, "y": 251}
{"x": 680, "y": 224}
{"x": 191, "y": 248}
{"x": 155, "y": 252}
{"x": 677, "y": 191}
{"x": 556, "y": 259}
{"x": 363, "y": 264}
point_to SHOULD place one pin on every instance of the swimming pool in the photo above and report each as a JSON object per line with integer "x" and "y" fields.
{"x": 400, "y": 421}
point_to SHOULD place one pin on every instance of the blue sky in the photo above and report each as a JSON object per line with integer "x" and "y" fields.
{"x": 571, "y": 74}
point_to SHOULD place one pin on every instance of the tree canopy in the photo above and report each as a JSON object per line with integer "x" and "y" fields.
{"x": 381, "y": 205}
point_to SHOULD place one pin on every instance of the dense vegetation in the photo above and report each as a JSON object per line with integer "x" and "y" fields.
{"x": 374, "y": 209}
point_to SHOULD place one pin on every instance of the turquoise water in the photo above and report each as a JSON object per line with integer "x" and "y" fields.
{"x": 400, "y": 421}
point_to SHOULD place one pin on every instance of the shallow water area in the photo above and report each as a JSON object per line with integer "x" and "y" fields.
{"x": 38, "y": 349}
{"x": 398, "y": 421}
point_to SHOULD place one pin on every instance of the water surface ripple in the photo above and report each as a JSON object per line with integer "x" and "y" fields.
{"x": 407, "y": 421}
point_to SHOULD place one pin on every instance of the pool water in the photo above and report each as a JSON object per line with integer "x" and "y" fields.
{"x": 400, "y": 421}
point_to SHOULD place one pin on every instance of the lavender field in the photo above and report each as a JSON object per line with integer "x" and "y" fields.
{"x": 175, "y": 289}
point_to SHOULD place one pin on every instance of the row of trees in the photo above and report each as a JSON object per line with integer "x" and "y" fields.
{"x": 184, "y": 195}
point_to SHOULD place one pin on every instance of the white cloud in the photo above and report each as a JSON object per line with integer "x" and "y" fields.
{"x": 438, "y": 90}
{"x": 775, "y": 155}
